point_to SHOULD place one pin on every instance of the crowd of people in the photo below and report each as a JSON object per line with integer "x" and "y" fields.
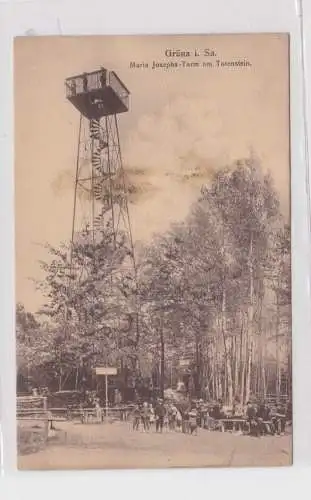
{"x": 255, "y": 418}
{"x": 161, "y": 414}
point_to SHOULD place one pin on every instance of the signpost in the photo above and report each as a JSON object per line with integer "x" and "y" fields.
{"x": 106, "y": 371}
{"x": 184, "y": 362}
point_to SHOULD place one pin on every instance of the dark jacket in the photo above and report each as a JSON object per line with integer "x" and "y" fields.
{"x": 159, "y": 410}
{"x": 251, "y": 411}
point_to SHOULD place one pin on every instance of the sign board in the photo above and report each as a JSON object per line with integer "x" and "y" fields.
{"x": 184, "y": 362}
{"x": 105, "y": 370}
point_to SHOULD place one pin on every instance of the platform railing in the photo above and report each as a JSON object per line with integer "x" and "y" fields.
{"x": 117, "y": 86}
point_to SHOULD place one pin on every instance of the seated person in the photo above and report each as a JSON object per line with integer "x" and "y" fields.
{"x": 264, "y": 418}
{"x": 217, "y": 411}
{"x": 281, "y": 418}
{"x": 237, "y": 410}
{"x": 289, "y": 412}
{"x": 251, "y": 415}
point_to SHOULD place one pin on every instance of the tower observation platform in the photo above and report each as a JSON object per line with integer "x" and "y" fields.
{"x": 97, "y": 94}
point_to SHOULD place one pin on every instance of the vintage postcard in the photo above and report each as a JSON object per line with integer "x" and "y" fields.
{"x": 153, "y": 267}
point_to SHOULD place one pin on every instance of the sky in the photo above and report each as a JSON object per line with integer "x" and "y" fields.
{"x": 180, "y": 120}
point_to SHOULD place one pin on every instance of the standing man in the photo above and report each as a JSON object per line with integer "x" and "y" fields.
{"x": 193, "y": 421}
{"x": 74, "y": 88}
{"x": 159, "y": 414}
{"x": 84, "y": 82}
{"x": 136, "y": 417}
{"x": 184, "y": 409}
{"x": 151, "y": 415}
{"x": 281, "y": 418}
{"x": 251, "y": 414}
{"x": 98, "y": 410}
{"x": 103, "y": 77}
{"x": 145, "y": 416}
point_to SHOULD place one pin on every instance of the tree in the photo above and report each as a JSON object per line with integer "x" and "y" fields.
{"x": 212, "y": 270}
{"x": 214, "y": 289}
{"x": 89, "y": 293}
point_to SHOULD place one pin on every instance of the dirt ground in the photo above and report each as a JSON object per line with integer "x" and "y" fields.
{"x": 116, "y": 445}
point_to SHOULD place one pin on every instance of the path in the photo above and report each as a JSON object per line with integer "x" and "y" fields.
{"x": 117, "y": 446}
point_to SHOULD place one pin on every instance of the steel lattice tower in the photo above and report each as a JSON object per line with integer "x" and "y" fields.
{"x": 100, "y": 198}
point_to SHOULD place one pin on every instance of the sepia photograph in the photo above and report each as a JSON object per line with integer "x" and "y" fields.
{"x": 153, "y": 251}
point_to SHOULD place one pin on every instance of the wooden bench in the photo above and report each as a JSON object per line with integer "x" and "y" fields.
{"x": 87, "y": 415}
{"x": 238, "y": 424}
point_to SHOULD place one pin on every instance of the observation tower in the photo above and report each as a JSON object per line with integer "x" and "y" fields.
{"x": 100, "y": 207}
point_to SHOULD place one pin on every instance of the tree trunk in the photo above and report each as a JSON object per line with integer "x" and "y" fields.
{"x": 251, "y": 320}
{"x": 228, "y": 374}
{"x": 225, "y": 379}
{"x": 236, "y": 367}
{"x": 218, "y": 369}
{"x": 162, "y": 361}
{"x": 198, "y": 365}
{"x": 277, "y": 343}
{"x": 77, "y": 378}
{"x": 242, "y": 362}
{"x": 205, "y": 362}
{"x": 249, "y": 369}
{"x": 214, "y": 374}
{"x": 263, "y": 362}
{"x": 263, "y": 375}
{"x": 219, "y": 386}
{"x": 60, "y": 379}
{"x": 256, "y": 387}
